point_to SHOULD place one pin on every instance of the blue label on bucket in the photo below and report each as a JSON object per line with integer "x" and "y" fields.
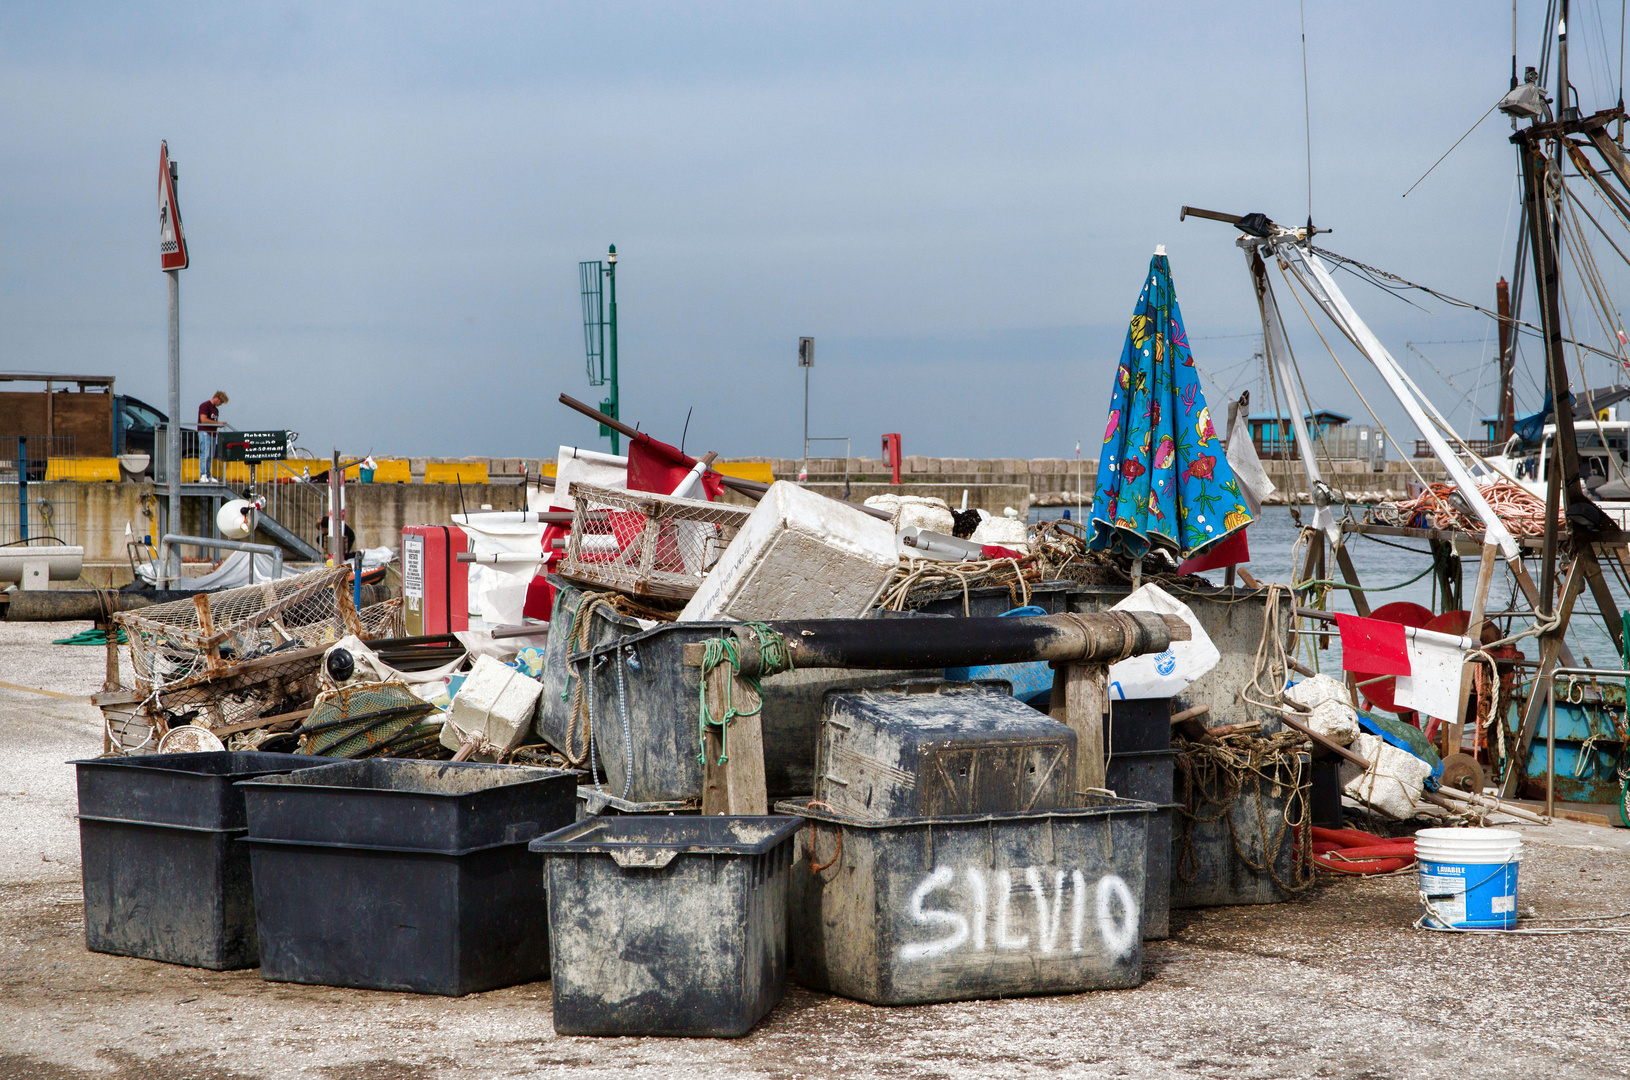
{"x": 1470, "y": 896}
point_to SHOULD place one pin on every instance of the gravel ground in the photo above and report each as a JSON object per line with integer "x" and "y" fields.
{"x": 1334, "y": 984}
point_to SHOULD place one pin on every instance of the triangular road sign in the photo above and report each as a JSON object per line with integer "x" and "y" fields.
{"x": 172, "y": 243}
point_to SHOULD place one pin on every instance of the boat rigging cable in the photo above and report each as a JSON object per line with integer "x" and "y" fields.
{"x": 1365, "y": 272}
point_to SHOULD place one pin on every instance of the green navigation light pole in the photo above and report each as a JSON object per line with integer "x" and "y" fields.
{"x": 599, "y": 280}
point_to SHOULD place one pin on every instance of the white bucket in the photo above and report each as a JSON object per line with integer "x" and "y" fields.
{"x": 1469, "y": 877}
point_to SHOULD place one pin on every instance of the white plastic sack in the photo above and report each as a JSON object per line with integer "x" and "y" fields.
{"x": 1248, "y": 471}
{"x": 1333, "y": 715}
{"x": 498, "y": 593}
{"x": 1394, "y": 782}
{"x": 495, "y": 706}
{"x": 587, "y": 467}
{"x": 1165, "y": 674}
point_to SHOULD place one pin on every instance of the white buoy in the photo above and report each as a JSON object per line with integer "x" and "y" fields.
{"x": 235, "y": 520}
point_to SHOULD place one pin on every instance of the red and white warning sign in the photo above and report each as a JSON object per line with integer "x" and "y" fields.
{"x": 172, "y": 244}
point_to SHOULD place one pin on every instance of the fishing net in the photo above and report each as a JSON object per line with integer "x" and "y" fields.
{"x": 368, "y": 720}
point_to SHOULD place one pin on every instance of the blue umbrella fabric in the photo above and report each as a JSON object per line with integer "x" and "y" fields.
{"x": 1163, "y": 478}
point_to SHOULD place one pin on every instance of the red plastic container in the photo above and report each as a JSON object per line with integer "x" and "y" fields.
{"x": 435, "y": 585}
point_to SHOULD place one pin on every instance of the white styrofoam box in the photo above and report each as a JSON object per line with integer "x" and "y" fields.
{"x": 1394, "y": 782}
{"x": 799, "y": 556}
{"x": 496, "y": 703}
{"x": 925, "y": 513}
{"x": 1004, "y": 531}
{"x": 1333, "y": 715}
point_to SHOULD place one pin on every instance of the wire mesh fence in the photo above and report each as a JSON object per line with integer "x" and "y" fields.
{"x": 32, "y": 509}
{"x": 645, "y": 544}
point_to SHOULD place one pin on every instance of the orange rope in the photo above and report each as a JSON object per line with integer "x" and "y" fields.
{"x": 1521, "y": 511}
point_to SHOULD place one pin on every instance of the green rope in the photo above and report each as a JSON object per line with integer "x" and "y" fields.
{"x": 775, "y": 656}
{"x": 90, "y": 637}
{"x": 1314, "y": 582}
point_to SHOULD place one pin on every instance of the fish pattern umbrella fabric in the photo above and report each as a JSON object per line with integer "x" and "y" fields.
{"x": 1163, "y": 478}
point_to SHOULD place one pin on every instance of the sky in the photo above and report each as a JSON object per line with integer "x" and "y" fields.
{"x": 386, "y": 205}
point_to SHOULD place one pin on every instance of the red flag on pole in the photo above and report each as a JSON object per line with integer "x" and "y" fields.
{"x": 1373, "y": 646}
{"x": 653, "y": 465}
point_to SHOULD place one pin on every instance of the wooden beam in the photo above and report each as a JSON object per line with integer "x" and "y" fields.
{"x": 1081, "y": 707}
{"x": 1349, "y": 574}
{"x": 1550, "y": 650}
{"x": 1455, "y": 730}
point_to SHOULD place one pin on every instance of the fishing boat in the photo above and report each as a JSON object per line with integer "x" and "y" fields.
{"x": 1546, "y": 508}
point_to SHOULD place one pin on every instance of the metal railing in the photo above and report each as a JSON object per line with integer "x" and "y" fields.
{"x": 1480, "y": 447}
{"x": 235, "y": 545}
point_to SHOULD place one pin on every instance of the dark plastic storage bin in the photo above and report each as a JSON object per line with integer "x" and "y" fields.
{"x": 914, "y": 911}
{"x": 668, "y": 925}
{"x": 1149, "y": 776}
{"x": 934, "y": 749}
{"x": 1224, "y": 855}
{"x": 391, "y": 874}
{"x": 1326, "y": 793}
{"x": 1138, "y": 725}
{"x": 163, "y": 877}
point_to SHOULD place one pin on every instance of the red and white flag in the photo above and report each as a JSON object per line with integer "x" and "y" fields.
{"x": 1426, "y": 663}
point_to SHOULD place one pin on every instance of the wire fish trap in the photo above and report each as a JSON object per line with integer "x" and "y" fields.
{"x": 367, "y": 720}
{"x": 237, "y": 656}
{"x": 644, "y": 544}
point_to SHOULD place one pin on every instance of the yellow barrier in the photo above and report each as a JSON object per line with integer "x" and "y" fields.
{"x": 83, "y": 469}
{"x": 394, "y": 471}
{"x": 746, "y": 470}
{"x": 455, "y": 472}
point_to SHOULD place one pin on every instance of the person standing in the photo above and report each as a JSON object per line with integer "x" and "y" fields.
{"x": 209, "y": 421}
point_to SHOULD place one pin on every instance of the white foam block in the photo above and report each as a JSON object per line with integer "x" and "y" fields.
{"x": 799, "y": 556}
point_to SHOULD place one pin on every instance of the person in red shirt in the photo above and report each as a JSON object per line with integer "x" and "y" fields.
{"x": 209, "y": 421}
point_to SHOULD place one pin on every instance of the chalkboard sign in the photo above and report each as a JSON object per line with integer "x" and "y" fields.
{"x": 252, "y": 445}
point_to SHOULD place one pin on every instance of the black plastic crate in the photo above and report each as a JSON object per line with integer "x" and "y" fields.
{"x": 1136, "y": 725}
{"x": 1147, "y": 775}
{"x": 404, "y": 875}
{"x": 417, "y": 805}
{"x": 163, "y": 877}
{"x": 668, "y": 925}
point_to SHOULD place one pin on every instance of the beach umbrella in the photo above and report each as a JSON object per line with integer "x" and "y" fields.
{"x": 1163, "y": 478}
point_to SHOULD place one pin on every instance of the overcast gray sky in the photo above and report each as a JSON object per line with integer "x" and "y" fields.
{"x": 386, "y": 205}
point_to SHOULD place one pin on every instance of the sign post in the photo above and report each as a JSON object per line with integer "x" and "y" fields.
{"x": 172, "y": 247}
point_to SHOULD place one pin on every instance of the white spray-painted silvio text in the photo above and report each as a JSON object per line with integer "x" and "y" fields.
{"x": 985, "y": 915}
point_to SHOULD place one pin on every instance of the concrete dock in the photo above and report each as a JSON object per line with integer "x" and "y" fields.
{"x": 1334, "y": 984}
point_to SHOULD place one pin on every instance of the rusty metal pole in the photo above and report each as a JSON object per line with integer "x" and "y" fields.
{"x": 1508, "y": 362}
{"x": 336, "y": 522}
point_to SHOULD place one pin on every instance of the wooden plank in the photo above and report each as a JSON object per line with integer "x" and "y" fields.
{"x": 1349, "y": 574}
{"x": 206, "y": 627}
{"x": 1455, "y": 730}
{"x": 264, "y": 721}
{"x": 738, "y": 785}
{"x": 1081, "y": 708}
